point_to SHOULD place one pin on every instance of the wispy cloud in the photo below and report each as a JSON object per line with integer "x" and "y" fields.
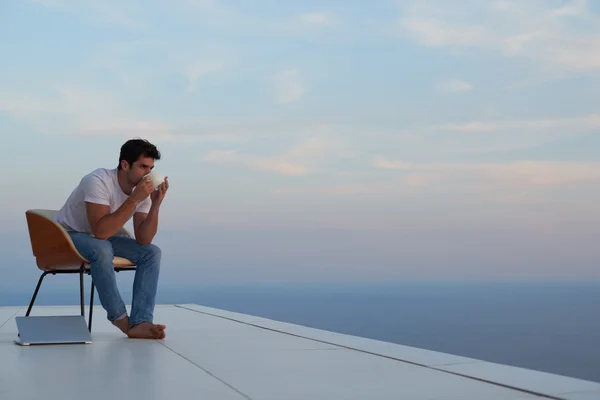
{"x": 312, "y": 146}
{"x": 490, "y": 135}
{"x": 421, "y": 179}
{"x": 213, "y": 14}
{"x": 557, "y": 37}
{"x": 449, "y": 140}
{"x": 454, "y": 86}
{"x": 289, "y": 86}
{"x": 51, "y": 3}
{"x": 106, "y": 12}
{"x": 276, "y": 165}
{"x": 74, "y": 111}
{"x": 196, "y": 70}
{"x": 578, "y": 123}
{"x": 298, "y": 160}
{"x": 509, "y": 174}
{"x": 140, "y": 16}
{"x": 342, "y": 190}
{"x": 316, "y": 19}
{"x": 306, "y": 25}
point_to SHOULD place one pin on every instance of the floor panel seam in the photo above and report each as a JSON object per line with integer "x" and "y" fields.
{"x": 207, "y": 371}
{"x": 532, "y": 392}
{"x": 11, "y": 317}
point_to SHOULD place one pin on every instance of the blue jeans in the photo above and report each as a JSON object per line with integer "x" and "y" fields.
{"x": 147, "y": 258}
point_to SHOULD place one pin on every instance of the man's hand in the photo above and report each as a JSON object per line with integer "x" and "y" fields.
{"x": 159, "y": 194}
{"x": 143, "y": 189}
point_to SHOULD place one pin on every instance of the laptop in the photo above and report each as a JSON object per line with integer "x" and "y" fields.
{"x": 58, "y": 329}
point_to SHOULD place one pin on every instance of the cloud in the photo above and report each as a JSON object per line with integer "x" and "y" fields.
{"x": 309, "y": 25}
{"x": 82, "y": 104}
{"x": 312, "y": 146}
{"x": 580, "y": 122}
{"x": 380, "y": 162}
{"x": 300, "y": 159}
{"x": 276, "y": 165}
{"x": 315, "y": 19}
{"x": 418, "y": 180}
{"x": 437, "y": 33}
{"x": 341, "y": 190}
{"x": 195, "y": 70}
{"x": 288, "y": 86}
{"x": 71, "y": 110}
{"x": 140, "y": 16}
{"x": 454, "y": 86}
{"x": 109, "y": 12}
{"x": 563, "y": 38}
{"x": 51, "y": 3}
{"x": 213, "y": 14}
{"x": 517, "y": 174}
{"x": 506, "y": 135}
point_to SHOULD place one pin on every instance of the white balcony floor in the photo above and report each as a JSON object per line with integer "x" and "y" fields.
{"x": 217, "y": 354}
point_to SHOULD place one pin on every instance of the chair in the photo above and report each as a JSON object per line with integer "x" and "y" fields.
{"x": 55, "y": 253}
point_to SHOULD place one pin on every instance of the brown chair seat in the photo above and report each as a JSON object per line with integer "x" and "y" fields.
{"x": 122, "y": 262}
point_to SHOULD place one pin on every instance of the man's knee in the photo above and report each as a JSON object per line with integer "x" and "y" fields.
{"x": 153, "y": 252}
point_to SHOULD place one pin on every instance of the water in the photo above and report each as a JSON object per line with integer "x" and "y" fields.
{"x": 548, "y": 327}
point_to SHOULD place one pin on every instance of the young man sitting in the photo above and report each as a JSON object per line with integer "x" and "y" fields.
{"x": 97, "y": 209}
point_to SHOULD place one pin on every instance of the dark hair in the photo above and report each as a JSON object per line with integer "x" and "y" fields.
{"x": 133, "y": 149}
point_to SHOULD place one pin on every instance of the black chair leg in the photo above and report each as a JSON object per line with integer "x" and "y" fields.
{"x": 81, "y": 289}
{"x": 35, "y": 293}
{"x": 91, "y": 307}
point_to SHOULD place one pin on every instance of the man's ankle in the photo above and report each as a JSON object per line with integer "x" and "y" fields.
{"x": 122, "y": 324}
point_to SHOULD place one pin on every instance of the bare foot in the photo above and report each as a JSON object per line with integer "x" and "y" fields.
{"x": 146, "y": 330}
{"x": 122, "y": 324}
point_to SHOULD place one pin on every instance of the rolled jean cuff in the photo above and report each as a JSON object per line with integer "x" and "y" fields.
{"x": 133, "y": 323}
{"x": 120, "y": 317}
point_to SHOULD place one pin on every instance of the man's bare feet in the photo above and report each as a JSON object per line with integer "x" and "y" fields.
{"x": 147, "y": 330}
{"x": 122, "y": 324}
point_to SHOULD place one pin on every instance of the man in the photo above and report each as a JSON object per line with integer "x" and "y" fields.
{"x": 100, "y": 205}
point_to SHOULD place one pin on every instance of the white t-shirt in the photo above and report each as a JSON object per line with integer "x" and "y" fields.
{"x": 101, "y": 186}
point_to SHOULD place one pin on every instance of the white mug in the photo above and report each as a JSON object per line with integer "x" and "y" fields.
{"x": 156, "y": 178}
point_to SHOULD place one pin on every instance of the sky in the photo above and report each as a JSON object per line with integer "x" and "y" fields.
{"x": 319, "y": 141}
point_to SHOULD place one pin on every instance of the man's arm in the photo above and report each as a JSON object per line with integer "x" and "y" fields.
{"x": 145, "y": 225}
{"x": 103, "y": 223}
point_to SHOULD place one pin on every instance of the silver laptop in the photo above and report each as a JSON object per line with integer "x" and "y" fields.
{"x": 59, "y": 329}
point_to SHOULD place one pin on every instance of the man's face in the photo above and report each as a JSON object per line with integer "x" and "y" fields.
{"x": 139, "y": 168}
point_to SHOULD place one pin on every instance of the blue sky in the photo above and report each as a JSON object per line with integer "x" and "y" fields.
{"x": 318, "y": 141}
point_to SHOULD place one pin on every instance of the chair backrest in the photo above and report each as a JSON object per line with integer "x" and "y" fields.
{"x": 51, "y": 244}
{"x": 50, "y": 214}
